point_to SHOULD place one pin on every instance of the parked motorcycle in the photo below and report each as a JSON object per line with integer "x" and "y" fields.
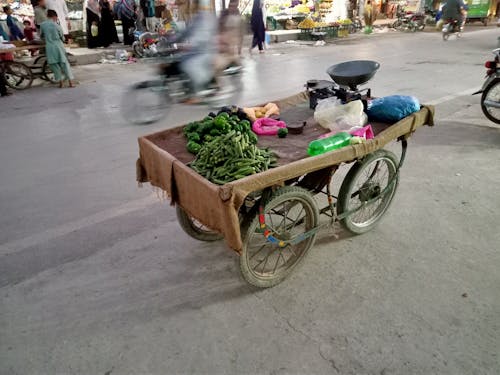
{"x": 490, "y": 98}
{"x": 409, "y": 21}
{"x": 149, "y": 101}
{"x": 430, "y": 16}
{"x": 451, "y": 27}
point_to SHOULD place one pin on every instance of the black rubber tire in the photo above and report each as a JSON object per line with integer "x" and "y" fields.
{"x": 446, "y": 36}
{"x": 138, "y": 114}
{"x": 187, "y": 224}
{"x": 47, "y": 73}
{"x": 492, "y": 84}
{"x": 351, "y": 179}
{"x": 17, "y": 75}
{"x": 252, "y": 224}
{"x": 39, "y": 60}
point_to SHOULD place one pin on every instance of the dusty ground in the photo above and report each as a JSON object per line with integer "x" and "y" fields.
{"x": 96, "y": 276}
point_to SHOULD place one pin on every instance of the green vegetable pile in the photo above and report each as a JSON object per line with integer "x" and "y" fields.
{"x": 231, "y": 156}
{"x": 212, "y": 126}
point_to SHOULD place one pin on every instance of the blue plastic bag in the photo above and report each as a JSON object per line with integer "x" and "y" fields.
{"x": 392, "y": 108}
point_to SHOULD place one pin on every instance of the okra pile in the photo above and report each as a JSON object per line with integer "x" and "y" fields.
{"x": 231, "y": 156}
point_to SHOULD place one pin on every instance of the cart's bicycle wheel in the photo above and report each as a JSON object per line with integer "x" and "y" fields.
{"x": 17, "y": 75}
{"x": 146, "y": 102}
{"x": 47, "y": 73}
{"x": 367, "y": 191}
{"x": 290, "y": 212}
{"x": 194, "y": 228}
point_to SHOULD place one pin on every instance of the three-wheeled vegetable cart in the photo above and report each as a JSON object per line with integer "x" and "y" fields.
{"x": 272, "y": 218}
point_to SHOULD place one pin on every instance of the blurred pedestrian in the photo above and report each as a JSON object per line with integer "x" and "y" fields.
{"x": 258, "y": 28}
{"x": 368, "y": 15}
{"x": 148, "y": 11}
{"x": 93, "y": 16}
{"x": 60, "y": 7}
{"x": 14, "y": 31}
{"x": 108, "y": 34}
{"x": 40, "y": 14}
{"x": 53, "y": 36}
{"x": 29, "y": 31}
{"x": 29, "y": 34}
{"x": 230, "y": 30}
{"x": 126, "y": 11}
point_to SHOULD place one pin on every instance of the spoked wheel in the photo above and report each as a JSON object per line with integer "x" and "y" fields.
{"x": 47, "y": 73}
{"x": 194, "y": 228}
{"x": 367, "y": 191}
{"x": 231, "y": 87}
{"x": 289, "y": 214}
{"x": 18, "y": 75}
{"x": 490, "y": 101}
{"x": 146, "y": 102}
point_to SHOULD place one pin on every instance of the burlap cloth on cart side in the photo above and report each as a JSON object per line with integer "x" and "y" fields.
{"x": 163, "y": 156}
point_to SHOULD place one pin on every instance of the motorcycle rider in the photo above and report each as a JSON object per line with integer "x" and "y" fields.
{"x": 452, "y": 11}
{"x": 197, "y": 58}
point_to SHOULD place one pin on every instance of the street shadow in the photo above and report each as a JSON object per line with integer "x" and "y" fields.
{"x": 456, "y": 133}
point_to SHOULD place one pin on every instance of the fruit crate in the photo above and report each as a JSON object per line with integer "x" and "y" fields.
{"x": 332, "y": 31}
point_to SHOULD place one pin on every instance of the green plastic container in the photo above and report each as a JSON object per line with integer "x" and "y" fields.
{"x": 320, "y": 146}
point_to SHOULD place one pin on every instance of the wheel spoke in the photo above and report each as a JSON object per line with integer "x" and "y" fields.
{"x": 298, "y": 216}
{"x": 260, "y": 249}
{"x": 277, "y": 262}
{"x": 289, "y": 247}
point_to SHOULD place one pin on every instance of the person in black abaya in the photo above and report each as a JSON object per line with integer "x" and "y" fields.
{"x": 258, "y": 28}
{"x": 93, "y": 13}
{"x": 107, "y": 31}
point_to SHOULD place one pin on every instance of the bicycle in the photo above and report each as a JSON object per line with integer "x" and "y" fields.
{"x": 17, "y": 75}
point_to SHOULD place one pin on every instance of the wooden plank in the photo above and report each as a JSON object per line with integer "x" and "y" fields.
{"x": 22, "y": 48}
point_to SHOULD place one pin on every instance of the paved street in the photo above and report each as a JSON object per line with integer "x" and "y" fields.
{"x": 97, "y": 277}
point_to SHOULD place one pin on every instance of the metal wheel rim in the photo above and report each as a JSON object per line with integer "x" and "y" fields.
{"x": 146, "y": 105}
{"x": 49, "y": 74}
{"x": 199, "y": 227}
{"x": 493, "y": 95}
{"x": 138, "y": 50}
{"x": 267, "y": 260}
{"x": 15, "y": 74}
{"x": 380, "y": 172}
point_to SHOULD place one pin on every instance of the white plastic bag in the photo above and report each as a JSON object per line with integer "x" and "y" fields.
{"x": 121, "y": 55}
{"x": 333, "y": 115}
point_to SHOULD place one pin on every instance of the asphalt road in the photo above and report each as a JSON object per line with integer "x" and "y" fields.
{"x": 97, "y": 277}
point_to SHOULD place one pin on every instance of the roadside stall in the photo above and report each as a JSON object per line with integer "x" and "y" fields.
{"x": 307, "y": 19}
{"x": 255, "y": 176}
